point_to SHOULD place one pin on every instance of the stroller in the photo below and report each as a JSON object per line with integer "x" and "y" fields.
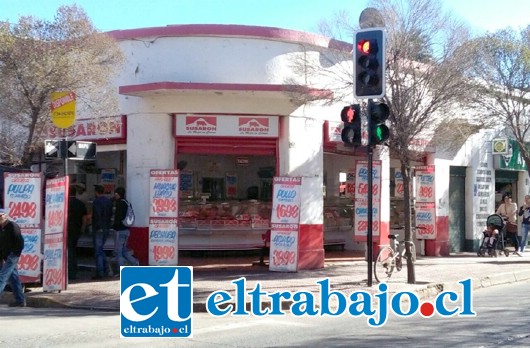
{"x": 499, "y": 245}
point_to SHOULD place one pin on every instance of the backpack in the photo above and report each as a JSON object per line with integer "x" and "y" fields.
{"x": 128, "y": 220}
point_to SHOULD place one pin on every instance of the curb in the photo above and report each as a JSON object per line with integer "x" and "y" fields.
{"x": 424, "y": 293}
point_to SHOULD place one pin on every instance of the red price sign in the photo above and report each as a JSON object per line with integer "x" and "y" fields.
{"x": 283, "y": 257}
{"x": 425, "y": 229}
{"x": 426, "y": 192}
{"x": 28, "y": 262}
{"x": 400, "y": 188}
{"x": 22, "y": 209}
{"x": 362, "y": 226}
{"x": 287, "y": 211}
{"x": 164, "y": 205}
{"x": 350, "y": 188}
{"x": 55, "y": 218}
{"x": 362, "y": 189}
{"x": 52, "y": 277}
{"x": 163, "y": 252}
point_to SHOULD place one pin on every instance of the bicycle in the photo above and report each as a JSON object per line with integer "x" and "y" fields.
{"x": 390, "y": 258}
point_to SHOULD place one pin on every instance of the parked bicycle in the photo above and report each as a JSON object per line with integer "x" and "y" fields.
{"x": 390, "y": 258}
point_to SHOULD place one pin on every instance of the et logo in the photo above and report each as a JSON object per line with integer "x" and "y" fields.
{"x": 156, "y": 301}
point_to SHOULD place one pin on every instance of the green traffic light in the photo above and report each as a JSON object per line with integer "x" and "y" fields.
{"x": 380, "y": 134}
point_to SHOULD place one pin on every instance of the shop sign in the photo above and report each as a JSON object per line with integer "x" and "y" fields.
{"x": 54, "y": 265}
{"x": 63, "y": 109}
{"x": 225, "y": 125}
{"x": 285, "y": 220}
{"x": 361, "y": 199}
{"x": 186, "y": 184}
{"x": 164, "y": 190}
{"x": 102, "y": 128}
{"x": 512, "y": 159}
{"x": 242, "y": 161}
{"x": 499, "y": 146}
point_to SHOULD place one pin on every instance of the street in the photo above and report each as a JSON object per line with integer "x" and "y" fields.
{"x": 501, "y": 321}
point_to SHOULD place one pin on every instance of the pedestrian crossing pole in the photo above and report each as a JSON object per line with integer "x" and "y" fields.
{"x": 369, "y": 234}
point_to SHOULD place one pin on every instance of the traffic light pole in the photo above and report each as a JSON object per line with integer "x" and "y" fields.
{"x": 369, "y": 244}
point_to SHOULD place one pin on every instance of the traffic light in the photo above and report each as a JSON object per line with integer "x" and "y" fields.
{"x": 378, "y": 132}
{"x": 370, "y": 63}
{"x": 351, "y": 133}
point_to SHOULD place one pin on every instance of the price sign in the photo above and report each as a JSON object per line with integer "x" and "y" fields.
{"x": 286, "y": 200}
{"x": 425, "y": 221}
{"x": 361, "y": 199}
{"x": 54, "y": 277}
{"x": 164, "y": 192}
{"x": 425, "y": 184}
{"x": 28, "y": 266}
{"x": 284, "y": 247}
{"x": 163, "y": 241}
{"x": 54, "y": 265}
{"x": 22, "y": 192}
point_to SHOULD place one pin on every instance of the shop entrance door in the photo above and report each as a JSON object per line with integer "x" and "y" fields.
{"x": 457, "y": 209}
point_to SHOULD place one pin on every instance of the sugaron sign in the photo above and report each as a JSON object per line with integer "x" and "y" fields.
{"x": 111, "y": 127}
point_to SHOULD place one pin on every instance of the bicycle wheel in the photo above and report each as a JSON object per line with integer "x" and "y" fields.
{"x": 384, "y": 264}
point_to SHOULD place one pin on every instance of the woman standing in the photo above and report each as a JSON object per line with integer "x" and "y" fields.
{"x": 525, "y": 223}
{"x": 508, "y": 210}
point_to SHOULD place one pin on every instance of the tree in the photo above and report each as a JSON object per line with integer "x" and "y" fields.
{"x": 502, "y": 70}
{"x": 426, "y": 77}
{"x": 38, "y": 57}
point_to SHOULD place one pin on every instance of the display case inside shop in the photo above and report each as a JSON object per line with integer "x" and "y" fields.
{"x": 232, "y": 215}
{"x": 338, "y": 220}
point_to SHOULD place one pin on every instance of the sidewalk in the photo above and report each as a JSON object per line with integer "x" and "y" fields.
{"x": 346, "y": 271}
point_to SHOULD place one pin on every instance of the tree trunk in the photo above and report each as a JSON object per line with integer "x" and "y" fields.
{"x": 406, "y": 172}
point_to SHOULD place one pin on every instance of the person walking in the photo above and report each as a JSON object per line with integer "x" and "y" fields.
{"x": 101, "y": 221}
{"x": 11, "y": 246}
{"x": 508, "y": 210}
{"x": 77, "y": 214}
{"x": 525, "y": 223}
{"x": 122, "y": 252}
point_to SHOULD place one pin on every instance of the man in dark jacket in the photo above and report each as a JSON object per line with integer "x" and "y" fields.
{"x": 77, "y": 214}
{"x": 101, "y": 218}
{"x": 11, "y": 245}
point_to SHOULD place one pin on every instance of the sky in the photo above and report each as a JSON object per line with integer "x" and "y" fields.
{"x": 304, "y": 15}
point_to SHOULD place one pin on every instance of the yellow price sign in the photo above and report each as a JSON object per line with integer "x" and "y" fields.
{"x": 63, "y": 109}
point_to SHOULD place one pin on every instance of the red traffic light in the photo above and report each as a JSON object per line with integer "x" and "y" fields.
{"x": 347, "y": 114}
{"x": 364, "y": 46}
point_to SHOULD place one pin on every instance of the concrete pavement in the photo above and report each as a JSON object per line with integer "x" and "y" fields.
{"x": 346, "y": 271}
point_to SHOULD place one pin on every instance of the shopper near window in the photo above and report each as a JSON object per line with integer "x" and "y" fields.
{"x": 121, "y": 251}
{"x": 525, "y": 223}
{"x": 508, "y": 210}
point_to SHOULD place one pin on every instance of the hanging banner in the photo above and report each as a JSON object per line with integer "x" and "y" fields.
{"x": 164, "y": 191}
{"x": 425, "y": 205}
{"x": 54, "y": 278}
{"x": 23, "y": 198}
{"x": 360, "y": 227}
{"x": 163, "y": 242}
{"x": 285, "y": 220}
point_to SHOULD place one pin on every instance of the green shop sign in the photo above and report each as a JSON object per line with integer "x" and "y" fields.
{"x": 512, "y": 160}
